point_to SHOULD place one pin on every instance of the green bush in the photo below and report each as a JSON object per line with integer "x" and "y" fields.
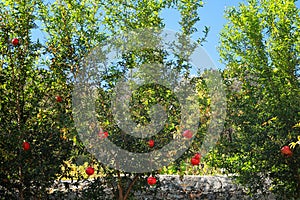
{"x": 29, "y": 110}
{"x": 37, "y": 79}
{"x": 260, "y": 47}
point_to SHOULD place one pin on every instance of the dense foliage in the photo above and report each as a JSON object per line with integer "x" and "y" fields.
{"x": 39, "y": 138}
{"x": 260, "y": 47}
{"x": 34, "y": 109}
{"x": 37, "y": 78}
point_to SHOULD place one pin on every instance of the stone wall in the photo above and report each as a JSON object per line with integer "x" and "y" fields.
{"x": 197, "y": 187}
{"x": 171, "y": 187}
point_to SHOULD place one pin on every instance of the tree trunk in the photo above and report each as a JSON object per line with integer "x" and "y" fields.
{"x": 130, "y": 186}
{"x": 120, "y": 189}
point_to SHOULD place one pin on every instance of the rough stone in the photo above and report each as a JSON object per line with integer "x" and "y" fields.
{"x": 190, "y": 188}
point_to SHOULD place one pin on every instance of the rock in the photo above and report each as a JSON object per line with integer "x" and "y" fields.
{"x": 172, "y": 187}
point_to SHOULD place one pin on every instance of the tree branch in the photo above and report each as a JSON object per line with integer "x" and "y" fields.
{"x": 120, "y": 186}
{"x": 130, "y": 186}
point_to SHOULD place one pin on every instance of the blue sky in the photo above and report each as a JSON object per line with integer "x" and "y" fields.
{"x": 212, "y": 15}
